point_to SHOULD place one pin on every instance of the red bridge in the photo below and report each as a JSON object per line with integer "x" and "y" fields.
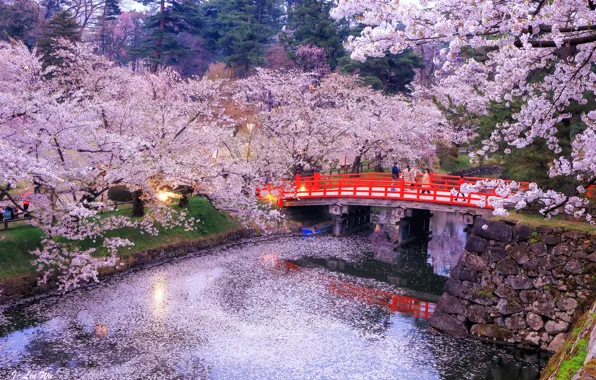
{"x": 378, "y": 189}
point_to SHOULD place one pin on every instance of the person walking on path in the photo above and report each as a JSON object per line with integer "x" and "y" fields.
{"x": 426, "y": 182}
{"x": 394, "y": 174}
{"x": 460, "y": 182}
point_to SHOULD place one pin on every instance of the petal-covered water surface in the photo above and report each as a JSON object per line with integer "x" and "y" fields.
{"x": 269, "y": 309}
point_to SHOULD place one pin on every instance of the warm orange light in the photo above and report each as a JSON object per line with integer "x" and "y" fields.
{"x": 164, "y": 196}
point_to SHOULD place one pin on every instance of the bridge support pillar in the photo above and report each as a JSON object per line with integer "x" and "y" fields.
{"x": 413, "y": 225}
{"x": 349, "y": 219}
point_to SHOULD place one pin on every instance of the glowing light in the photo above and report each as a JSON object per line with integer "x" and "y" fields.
{"x": 159, "y": 297}
{"x": 302, "y": 188}
{"x": 164, "y": 196}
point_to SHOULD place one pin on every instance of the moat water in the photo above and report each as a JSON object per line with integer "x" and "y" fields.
{"x": 287, "y": 308}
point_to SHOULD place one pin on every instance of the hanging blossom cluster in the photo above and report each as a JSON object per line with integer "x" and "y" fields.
{"x": 539, "y": 54}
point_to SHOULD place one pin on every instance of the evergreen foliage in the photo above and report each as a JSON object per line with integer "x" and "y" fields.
{"x": 18, "y": 21}
{"x": 238, "y": 31}
{"x": 62, "y": 25}
{"x": 162, "y": 47}
{"x": 391, "y": 73}
{"x": 308, "y": 23}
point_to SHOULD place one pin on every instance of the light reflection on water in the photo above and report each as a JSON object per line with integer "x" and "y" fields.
{"x": 228, "y": 316}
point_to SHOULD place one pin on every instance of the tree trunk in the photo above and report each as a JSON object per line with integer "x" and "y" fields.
{"x": 356, "y": 164}
{"x": 138, "y": 207}
{"x": 183, "y": 203}
{"x": 379, "y": 162}
{"x": 155, "y": 64}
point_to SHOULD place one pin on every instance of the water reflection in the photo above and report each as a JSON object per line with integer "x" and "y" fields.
{"x": 228, "y": 316}
{"x": 447, "y": 243}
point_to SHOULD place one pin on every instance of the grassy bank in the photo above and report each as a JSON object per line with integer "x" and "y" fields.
{"x": 15, "y": 259}
{"x": 536, "y": 220}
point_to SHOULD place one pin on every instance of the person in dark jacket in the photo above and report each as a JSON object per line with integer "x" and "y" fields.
{"x": 394, "y": 174}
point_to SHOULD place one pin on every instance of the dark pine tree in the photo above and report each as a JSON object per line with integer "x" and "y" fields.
{"x": 309, "y": 23}
{"x": 62, "y": 25}
{"x": 238, "y": 31}
{"x": 162, "y": 46}
{"x": 111, "y": 11}
{"x": 391, "y": 73}
{"x": 18, "y": 21}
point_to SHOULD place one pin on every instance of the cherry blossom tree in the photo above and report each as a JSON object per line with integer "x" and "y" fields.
{"x": 311, "y": 122}
{"x": 539, "y": 54}
{"x": 77, "y": 129}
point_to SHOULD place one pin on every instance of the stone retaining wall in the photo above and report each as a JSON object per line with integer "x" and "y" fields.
{"x": 517, "y": 285}
{"x": 27, "y": 285}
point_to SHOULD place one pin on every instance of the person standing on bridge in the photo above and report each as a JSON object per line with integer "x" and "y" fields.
{"x": 460, "y": 182}
{"x": 394, "y": 175}
{"x": 413, "y": 174}
{"x": 426, "y": 182}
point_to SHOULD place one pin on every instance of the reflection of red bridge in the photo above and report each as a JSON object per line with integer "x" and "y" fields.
{"x": 376, "y": 189}
{"x": 370, "y": 296}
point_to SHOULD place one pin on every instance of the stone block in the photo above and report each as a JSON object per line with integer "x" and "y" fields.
{"x": 551, "y": 239}
{"x": 556, "y": 344}
{"x": 507, "y": 267}
{"x": 495, "y": 230}
{"x": 592, "y": 257}
{"x": 515, "y": 323}
{"x": 464, "y": 274}
{"x": 531, "y": 295}
{"x": 574, "y": 235}
{"x": 556, "y": 327}
{"x": 457, "y": 290}
{"x": 506, "y": 307}
{"x": 587, "y": 280}
{"x": 531, "y": 268}
{"x": 539, "y": 249}
{"x": 504, "y": 291}
{"x": 562, "y": 249}
{"x": 544, "y": 280}
{"x": 544, "y": 230}
{"x": 519, "y": 255}
{"x": 566, "y": 303}
{"x": 477, "y": 313}
{"x": 494, "y": 254}
{"x": 447, "y": 324}
{"x": 534, "y": 321}
{"x": 574, "y": 266}
{"x": 521, "y": 232}
{"x": 531, "y": 339}
{"x": 476, "y": 244}
{"x": 473, "y": 261}
{"x": 491, "y": 332}
{"x": 520, "y": 282}
{"x": 543, "y": 307}
{"x": 450, "y": 304}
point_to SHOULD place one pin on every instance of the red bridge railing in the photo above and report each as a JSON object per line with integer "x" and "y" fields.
{"x": 382, "y": 186}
